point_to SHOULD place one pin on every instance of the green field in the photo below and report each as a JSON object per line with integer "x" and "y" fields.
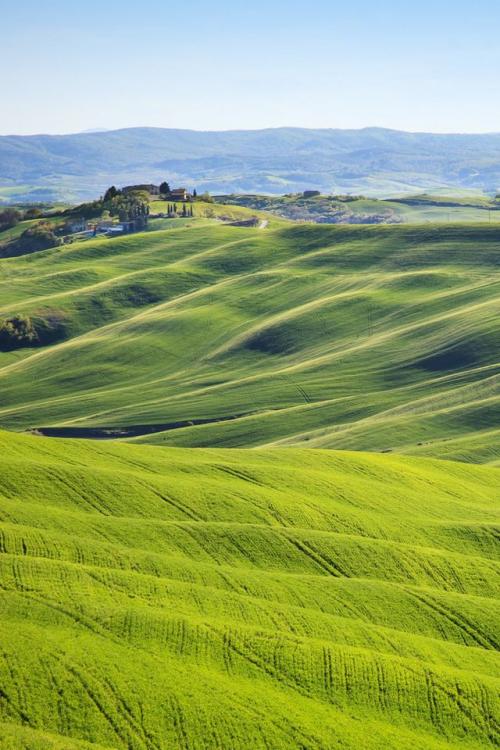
{"x": 282, "y": 598}
{"x": 380, "y": 338}
{"x": 223, "y": 586}
{"x": 416, "y": 209}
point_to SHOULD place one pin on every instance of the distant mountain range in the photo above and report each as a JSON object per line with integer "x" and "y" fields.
{"x": 372, "y": 161}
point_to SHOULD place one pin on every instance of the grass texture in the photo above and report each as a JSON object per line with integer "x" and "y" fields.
{"x": 358, "y": 338}
{"x": 157, "y": 598}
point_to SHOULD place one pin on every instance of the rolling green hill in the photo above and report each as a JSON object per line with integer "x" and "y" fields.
{"x": 195, "y": 599}
{"x": 348, "y": 209}
{"x": 365, "y": 338}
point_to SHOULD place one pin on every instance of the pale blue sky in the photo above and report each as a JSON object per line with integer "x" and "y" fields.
{"x": 69, "y": 65}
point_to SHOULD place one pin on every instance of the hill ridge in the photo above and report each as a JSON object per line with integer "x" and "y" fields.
{"x": 372, "y": 161}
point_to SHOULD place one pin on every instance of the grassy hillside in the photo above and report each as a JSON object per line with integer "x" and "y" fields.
{"x": 331, "y": 209}
{"x": 211, "y": 210}
{"x": 203, "y": 599}
{"x": 372, "y": 338}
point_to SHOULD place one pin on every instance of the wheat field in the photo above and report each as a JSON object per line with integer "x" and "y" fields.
{"x": 157, "y": 598}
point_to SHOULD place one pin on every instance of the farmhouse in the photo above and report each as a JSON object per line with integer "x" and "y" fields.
{"x": 134, "y": 225}
{"x": 104, "y": 224}
{"x": 127, "y": 227}
{"x": 179, "y": 194}
{"x": 77, "y": 225}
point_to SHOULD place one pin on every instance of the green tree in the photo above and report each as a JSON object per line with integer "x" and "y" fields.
{"x": 33, "y": 213}
{"x": 110, "y": 193}
{"x": 16, "y": 332}
{"x": 9, "y": 217}
{"x": 164, "y": 188}
{"x": 39, "y": 237}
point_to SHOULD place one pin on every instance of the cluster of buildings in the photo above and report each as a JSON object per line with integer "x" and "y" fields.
{"x": 110, "y": 228}
{"x": 106, "y": 227}
{"x": 181, "y": 195}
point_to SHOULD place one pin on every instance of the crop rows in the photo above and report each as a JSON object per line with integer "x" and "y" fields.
{"x": 155, "y": 598}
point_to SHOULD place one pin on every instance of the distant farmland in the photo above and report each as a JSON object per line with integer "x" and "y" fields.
{"x": 371, "y": 161}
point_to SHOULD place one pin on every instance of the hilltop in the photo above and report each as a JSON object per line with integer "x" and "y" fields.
{"x": 371, "y": 161}
{"x": 156, "y": 598}
{"x": 380, "y": 338}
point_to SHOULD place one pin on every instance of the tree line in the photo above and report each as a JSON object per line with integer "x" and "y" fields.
{"x": 10, "y": 217}
{"x": 114, "y": 202}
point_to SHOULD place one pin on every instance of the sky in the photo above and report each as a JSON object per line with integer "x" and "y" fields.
{"x": 69, "y": 66}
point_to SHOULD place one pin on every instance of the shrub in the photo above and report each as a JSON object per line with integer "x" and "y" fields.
{"x": 9, "y": 217}
{"x": 17, "y": 332}
{"x": 206, "y": 198}
{"x": 20, "y": 331}
{"x": 39, "y": 237}
{"x": 33, "y": 213}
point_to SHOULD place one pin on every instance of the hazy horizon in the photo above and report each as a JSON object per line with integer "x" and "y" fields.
{"x": 423, "y": 69}
{"x": 93, "y": 131}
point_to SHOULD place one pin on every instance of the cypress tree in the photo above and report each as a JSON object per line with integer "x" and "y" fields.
{"x": 110, "y": 193}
